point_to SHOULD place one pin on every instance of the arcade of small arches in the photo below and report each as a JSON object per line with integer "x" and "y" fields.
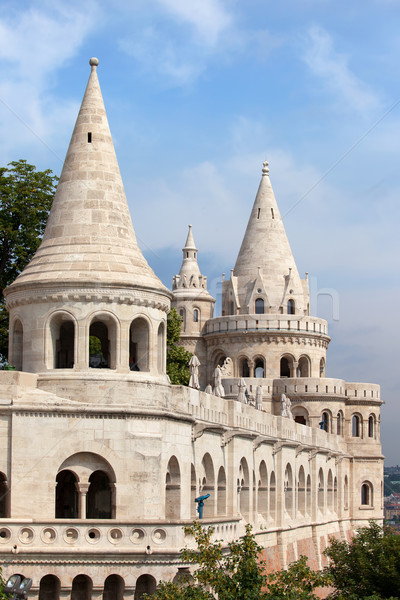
{"x": 82, "y": 586}
{"x": 360, "y": 427}
{"x": 194, "y": 314}
{"x": 259, "y": 307}
{"x": 256, "y": 366}
{"x": 103, "y": 343}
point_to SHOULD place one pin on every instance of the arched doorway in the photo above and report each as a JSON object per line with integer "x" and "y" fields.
{"x": 139, "y": 337}
{"x": 221, "y": 492}
{"x": 99, "y": 497}
{"x": 81, "y": 588}
{"x": 146, "y": 584}
{"x": 114, "y": 587}
{"x": 49, "y": 588}
{"x": 173, "y": 490}
{"x": 66, "y": 495}
{"x": 17, "y": 345}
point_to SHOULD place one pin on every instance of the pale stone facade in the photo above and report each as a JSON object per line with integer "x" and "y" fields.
{"x": 101, "y": 458}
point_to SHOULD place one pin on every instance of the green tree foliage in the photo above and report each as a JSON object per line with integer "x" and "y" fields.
{"x": 25, "y": 200}
{"x": 368, "y": 567}
{"x": 177, "y": 357}
{"x": 2, "y": 583}
{"x": 237, "y": 573}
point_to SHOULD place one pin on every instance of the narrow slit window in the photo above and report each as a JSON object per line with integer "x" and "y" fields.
{"x": 89, "y": 137}
{"x": 272, "y": 213}
{"x": 258, "y": 214}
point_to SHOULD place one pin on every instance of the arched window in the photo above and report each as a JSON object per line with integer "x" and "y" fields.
{"x": 346, "y": 493}
{"x": 221, "y": 492}
{"x": 49, "y": 588}
{"x": 193, "y": 492}
{"x": 301, "y": 491}
{"x": 371, "y": 426}
{"x": 182, "y": 314}
{"x": 325, "y": 421}
{"x": 114, "y": 587}
{"x": 161, "y": 348}
{"x": 308, "y": 498}
{"x": 285, "y": 367}
{"x": 62, "y": 329}
{"x": 321, "y": 490}
{"x": 173, "y": 490}
{"x": 263, "y": 490}
{"x": 139, "y": 345}
{"x": 355, "y": 426}
{"x": 339, "y": 423}
{"x": 99, "y": 497}
{"x": 259, "y": 367}
{"x": 288, "y": 489}
{"x": 272, "y": 496}
{"x": 208, "y": 484}
{"x": 303, "y": 367}
{"x": 66, "y": 495}
{"x": 16, "y": 358}
{"x": 259, "y": 306}
{"x": 4, "y": 497}
{"x": 231, "y": 308}
{"x": 244, "y": 489}
{"x": 196, "y": 314}
{"x": 81, "y": 588}
{"x": 366, "y": 494}
{"x": 102, "y": 342}
{"x": 146, "y": 584}
{"x": 330, "y": 490}
{"x": 322, "y": 368}
{"x": 244, "y": 369}
{"x": 290, "y": 307}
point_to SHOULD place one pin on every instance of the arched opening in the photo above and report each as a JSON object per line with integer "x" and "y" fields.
{"x": 321, "y": 491}
{"x": 259, "y": 306}
{"x": 263, "y": 490}
{"x": 286, "y": 366}
{"x": 114, "y": 587}
{"x": 173, "y": 490}
{"x": 16, "y": 358}
{"x": 355, "y": 426}
{"x": 272, "y": 497}
{"x": 308, "y": 497}
{"x": 139, "y": 345}
{"x": 330, "y": 491}
{"x": 254, "y": 494}
{"x": 325, "y": 422}
{"x": 62, "y": 330}
{"x": 300, "y": 415}
{"x": 221, "y": 492}
{"x": 290, "y": 307}
{"x": 335, "y": 495}
{"x": 259, "y": 367}
{"x": 244, "y": 369}
{"x": 366, "y": 494}
{"x": 145, "y": 584}
{"x": 303, "y": 367}
{"x": 322, "y": 367}
{"x": 4, "y": 497}
{"x": 99, "y": 497}
{"x": 346, "y": 493}
{"x": 371, "y": 426}
{"x": 339, "y": 423}
{"x": 81, "y": 588}
{"x": 182, "y": 314}
{"x": 102, "y": 343}
{"x": 208, "y": 485}
{"x": 288, "y": 490}
{"x": 49, "y": 588}
{"x": 193, "y": 492}
{"x": 231, "y": 308}
{"x": 196, "y": 315}
{"x": 161, "y": 345}
{"x": 244, "y": 490}
{"x": 301, "y": 491}
{"x": 66, "y": 495}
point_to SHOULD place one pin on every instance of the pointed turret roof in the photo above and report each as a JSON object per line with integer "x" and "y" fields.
{"x": 89, "y": 237}
{"x": 265, "y": 251}
{"x": 189, "y": 263}
{"x": 190, "y": 280}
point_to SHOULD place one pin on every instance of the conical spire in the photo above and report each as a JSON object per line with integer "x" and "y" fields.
{"x": 89, "y": 237}
{"x": 190, "y": 277}
{"x": 265, "y": 255}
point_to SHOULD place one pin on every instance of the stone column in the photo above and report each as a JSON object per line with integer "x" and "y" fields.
{"x": 294, "y": 367}
{"x": 83, "y": 489}
{"x": 251, "y": 368}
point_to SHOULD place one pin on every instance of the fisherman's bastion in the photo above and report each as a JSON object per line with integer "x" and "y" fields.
{"x": 102, "y": 458}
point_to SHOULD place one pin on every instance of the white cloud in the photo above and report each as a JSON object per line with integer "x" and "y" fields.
{"x": 333, "y": 69}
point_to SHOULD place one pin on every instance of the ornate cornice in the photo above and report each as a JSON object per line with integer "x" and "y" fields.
{"x": 276, "y": 337}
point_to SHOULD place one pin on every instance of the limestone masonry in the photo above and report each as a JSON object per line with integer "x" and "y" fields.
{"x": 101, "y": 458}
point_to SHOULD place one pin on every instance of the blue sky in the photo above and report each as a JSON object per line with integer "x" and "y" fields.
{"x": 198, "y": 93}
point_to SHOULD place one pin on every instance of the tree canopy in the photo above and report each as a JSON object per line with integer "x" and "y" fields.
{"x": 26, "y": 196}
{"x": 177, "y": 357}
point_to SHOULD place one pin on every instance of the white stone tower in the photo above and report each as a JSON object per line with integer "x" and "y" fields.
{"x": 89, "y": 279}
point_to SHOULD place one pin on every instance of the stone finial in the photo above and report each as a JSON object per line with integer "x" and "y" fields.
{"x": 94, "y": 62}
{"x": 265, "y": 169}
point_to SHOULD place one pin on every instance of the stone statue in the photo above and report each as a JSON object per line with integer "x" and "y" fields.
{"x": 242, "y": 391}
{"x": 286, "y": 410}
{"x": 208, "y": 389}
{"x": 227, "y": 367}
{"x": 194, "y": 364}
{"x": 218, "y": 389}
{"x": 259, "y": 397}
